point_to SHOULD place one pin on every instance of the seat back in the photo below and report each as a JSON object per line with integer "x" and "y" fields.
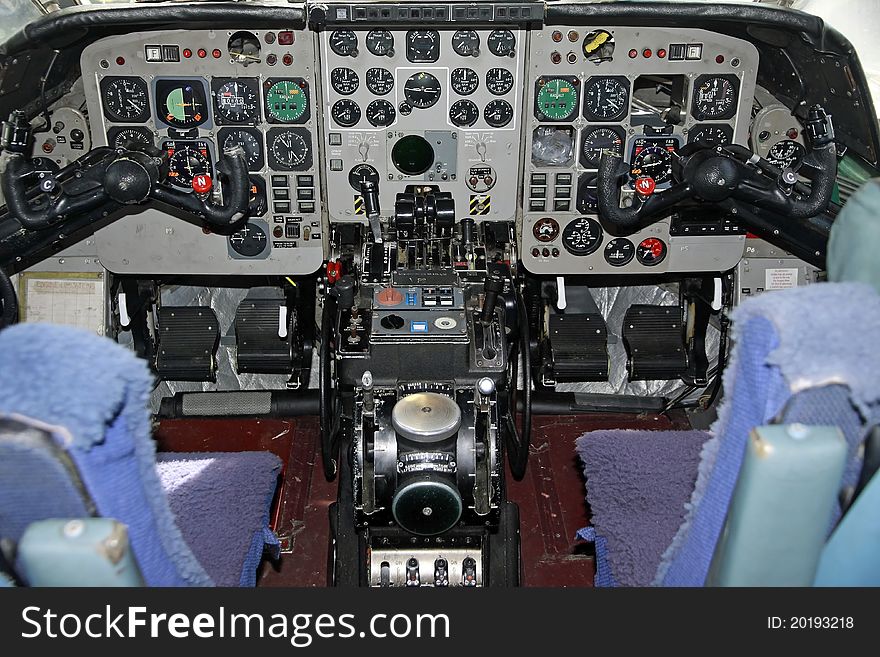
{"x": 98, "y": 392}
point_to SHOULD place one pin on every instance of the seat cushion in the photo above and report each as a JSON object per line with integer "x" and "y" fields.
{"x": 221, "y": 503}
{"x": 637, "y": 485}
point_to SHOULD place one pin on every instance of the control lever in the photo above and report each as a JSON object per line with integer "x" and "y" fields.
{"x": 492, "y": 287}
{"x": 370, "y": 195}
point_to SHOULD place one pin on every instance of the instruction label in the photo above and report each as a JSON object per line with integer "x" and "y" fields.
{"x": 780, "y": 279}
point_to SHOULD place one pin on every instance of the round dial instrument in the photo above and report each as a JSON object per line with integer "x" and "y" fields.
{"x": 289, "y": 149}
{"x": 715, "y": 97}
{"x": 619, "y": 252}
{"x": 249, "y": 139}
{"x": 346, "y": 113}
{"x": 597, "y": 141}
{"x": 651, "y": 251}
{"x": 287, "y": 101}
{"x": 380, "y": 43}
{"x": 134, "y": 135}
{"x": 557, "y": 98}
{"x": 713, "y": 135}
{"x": 257, "y": 204}
{"x": 587, "y": 196}
{"x": 380, "y": 81}
{"x": 582, "y": 236}
{"x": 362, "y": 173}
{"x": 244, "y": 47}
{"x": 498, "y": 113}
{"x": 125, "y": 99}
{"x": 464, "y": 81}
{"x": 344, "y": 43}
{"x": 502, "y": 43}
{"x": 786, "y": 154}
{"x": 466, "y": 43}
{"x": 237, "y": 101}
{"x": 546, "y": 229}
{"x": 249, "y": 241}
{"x": 422, "y": 90}
{"x": 653, "y": 161}
{"x": 606, "y": 98}
{"x": 499, "y": 81}
{"x": 344, "y": 80}
{"x": 464, "y": 113}
{"x": 380, "y": 113}
{"x": 185, "y": 162}
{"x": 181, "y": 103}
{"x": 422, "y": 46}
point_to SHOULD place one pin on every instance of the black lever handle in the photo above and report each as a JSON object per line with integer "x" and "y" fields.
{"x": 492, "y": 287}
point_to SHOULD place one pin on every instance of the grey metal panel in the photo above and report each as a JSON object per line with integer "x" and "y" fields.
{"x": 156, "y": 242}
{"x": 713, "y": 253}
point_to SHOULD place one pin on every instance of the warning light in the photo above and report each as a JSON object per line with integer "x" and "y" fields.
{"x": 216, "y": 53}
{"x": 633, "y": 53}
{"x": 187, "y": 53}
{"x": 287, "y": 59}
{"x": 285, "y": 38}
{"x": 661, "y": 53}
{"x": 120, "y": 60}
{"x": 719, "y": 59}
{"x": 202, "y": 53}
{"x": 647, "y": 52}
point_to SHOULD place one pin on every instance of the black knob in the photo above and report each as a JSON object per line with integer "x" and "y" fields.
{"x": 344, "y": 291}
{"x": 392, "y": 322}
{"x": 493, "y": 286}
{"x": 370, "y": 194}
{"x": 77, "y": 135}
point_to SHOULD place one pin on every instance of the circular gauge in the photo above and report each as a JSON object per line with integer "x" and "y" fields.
{"x": 128, "y": 137}
{"x": 653, "y": 161}
{"x": 289, "y": 149}
{"x": 786, "y": 154}
{"x": 422, "y": 46}
{"x": 464, "y": 81}
{"x": 185, "y": 163}
{"x": 346, "y": 112}
{"x": 598, "y": 46}
{"x": 557, "y": 99}
{"x": 587, "y": 196}
{"x": 257, "y": 205}
{"x": 412, "y": 155}
{"x": 344, "y": 80}
{"x": 405, "y": 109}
{"x": 651, "y": 251}
{"x": 582, "y": 236}
{"x": 466, "y": 43}
{"x": 499, "y": 81}
{"x": 380, "y": 81}
{"x": 502, "y": 43}
{"x": 380, "y": 113}
{"x": 286, "y": 101}
{"x": 464, "y": 113}
{"x": 344, "y": 43}
{"x": 422, "y": 90}
{"x": 125, "y": 99}
{"x": 248, "y": 241}
{"x": 236, "y": 101}
{"x": 249, "y": 139}
{"x": 712, "y": 135}
{"x": 244, "y": 48}
{"x": 715, "y": 97}
{"x": 546, "y": 229}
{"x": 619, "y": 252}
{"x": 597, "y": 141}
{"x": 381, "y": 43}
{"x": 498, "y": 113}
{"x": 181, "y": 103}
{"x": 362, "y": 173}
{"x": 606, "y": 98}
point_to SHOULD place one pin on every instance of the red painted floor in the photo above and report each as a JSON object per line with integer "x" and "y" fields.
{"x": 550, "y": 496}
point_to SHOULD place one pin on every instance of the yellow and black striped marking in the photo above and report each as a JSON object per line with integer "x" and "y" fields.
{"x": 481, "y": 204}
{"x": 359, "y": 204}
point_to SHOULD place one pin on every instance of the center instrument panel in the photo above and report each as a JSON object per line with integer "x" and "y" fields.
{"x": 423, "y": 107}
{"x": 641, "y": 93}
{"x": 508, "y": 118}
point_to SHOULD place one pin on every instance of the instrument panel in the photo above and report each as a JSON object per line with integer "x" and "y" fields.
{"x": 642, "y": 94}
{"x": 193, "y": 94}
{"x": 510, "y": 121}
{"x": 423, "y": 107}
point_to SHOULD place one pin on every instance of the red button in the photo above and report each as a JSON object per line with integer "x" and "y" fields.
{"x": 645, "y": 185}
{"x": 202, "y": 183}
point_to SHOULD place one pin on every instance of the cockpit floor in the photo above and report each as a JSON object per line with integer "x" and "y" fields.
{"x": 550, "y": 496}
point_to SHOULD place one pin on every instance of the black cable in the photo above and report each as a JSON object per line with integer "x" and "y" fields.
{"x": 8, "y": 301}
{"x": 326, "y": 399}
{"x": 519, "y": 440}
{"x": 44, "y": 106}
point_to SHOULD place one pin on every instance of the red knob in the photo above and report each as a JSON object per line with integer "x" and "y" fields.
{"x": 645, "y": 185}
{"x": 202, "y": 183}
